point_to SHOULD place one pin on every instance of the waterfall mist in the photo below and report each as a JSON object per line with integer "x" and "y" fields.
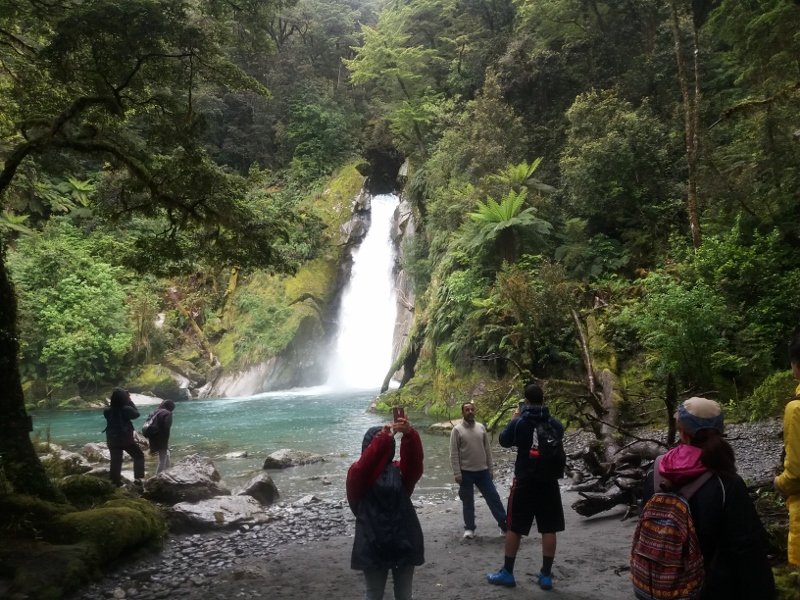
{"x": 362, "y": 352}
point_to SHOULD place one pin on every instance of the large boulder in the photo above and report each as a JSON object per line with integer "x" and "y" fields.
{"x": 216, "y": 513}
{"x": 68, "y": 463}
{"x": 192, "y": 479}
{"x": 262, "y": 488}
{"x": 444, "y": 427}
{"x": 284, "y": 458}
{"x": 97, "y": 453}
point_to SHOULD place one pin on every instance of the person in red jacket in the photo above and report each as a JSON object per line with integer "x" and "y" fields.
{"x": 388, "y": 534}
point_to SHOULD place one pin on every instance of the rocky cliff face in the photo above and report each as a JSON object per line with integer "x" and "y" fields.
{"x": 403, "y": 227}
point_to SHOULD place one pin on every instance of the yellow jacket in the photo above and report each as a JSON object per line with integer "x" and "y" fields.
{"x": 789, "y": 481}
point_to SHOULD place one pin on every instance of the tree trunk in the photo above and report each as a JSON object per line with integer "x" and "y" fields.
{"x": 198, "y": 331}
{"x": 671, "y": 405}
{"x": 18, "y": 459}
{"x": 691, "y": 107}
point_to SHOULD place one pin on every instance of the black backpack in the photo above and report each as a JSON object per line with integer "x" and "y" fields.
{"x": 546, "y": 458}
{"x": 150, "y": 427}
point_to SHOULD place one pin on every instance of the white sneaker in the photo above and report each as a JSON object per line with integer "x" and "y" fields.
{"x": 469, "y": 534}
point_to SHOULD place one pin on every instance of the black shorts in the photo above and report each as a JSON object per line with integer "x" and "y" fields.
{"x": 540, "y": 500}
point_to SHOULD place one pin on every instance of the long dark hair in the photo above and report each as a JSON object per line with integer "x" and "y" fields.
{"x": 119, "y": 398}
{"x": 717, "y": 454}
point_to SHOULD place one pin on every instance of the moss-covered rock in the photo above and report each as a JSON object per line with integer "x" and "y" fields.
{"x": 45, "y": 571}
{"x": 86, "y": 491}
{"x": 787, "y": 580}
{"x": 50, "y": 549}
{"x": 29, "y": 517}
{"x": 156, "y": 380}
{"x": 267, "y": 314}
{"x": 116, "y": 528}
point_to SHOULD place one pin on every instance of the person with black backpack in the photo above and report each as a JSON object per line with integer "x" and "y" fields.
{"x": 534, "y": 494}
{"x": 700, "y": 473}
{"x": 119, "y": 435}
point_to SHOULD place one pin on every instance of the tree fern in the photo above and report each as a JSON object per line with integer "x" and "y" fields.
{"x": 502, "y": 223}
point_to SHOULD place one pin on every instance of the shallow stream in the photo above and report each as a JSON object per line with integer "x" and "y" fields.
{"x": 312, "y": 419}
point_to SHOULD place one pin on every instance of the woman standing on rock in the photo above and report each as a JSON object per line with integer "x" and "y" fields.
{"x": 731, "y": 537}
{"x": 159, "y": 440}
{"x": 119, "y": 435}
{"x": 388, "y": 533}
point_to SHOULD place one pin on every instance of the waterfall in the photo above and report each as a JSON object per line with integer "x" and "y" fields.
{"x": 362, "y": 352}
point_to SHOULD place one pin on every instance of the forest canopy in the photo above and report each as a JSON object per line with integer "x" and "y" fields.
{"x": 598, "y": 185}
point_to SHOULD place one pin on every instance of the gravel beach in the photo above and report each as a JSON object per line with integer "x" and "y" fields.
{"x": 304, "y": 552}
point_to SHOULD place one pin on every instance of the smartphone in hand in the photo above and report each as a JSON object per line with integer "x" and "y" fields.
{"x": 398, "y": 412}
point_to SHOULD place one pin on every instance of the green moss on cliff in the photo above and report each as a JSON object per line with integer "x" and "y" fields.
{"x": 440, "y": 394}
{"x": 334, "y": 204}
{"x": 266, "y": 311}
{"x": 155, "y": 380}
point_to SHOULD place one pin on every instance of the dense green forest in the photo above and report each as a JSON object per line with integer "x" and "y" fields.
{"x": 606, "y": 194}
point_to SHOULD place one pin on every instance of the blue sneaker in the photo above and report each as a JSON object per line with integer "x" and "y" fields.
{"x": 545, "y": 581}
{"x": 502, "y": 577}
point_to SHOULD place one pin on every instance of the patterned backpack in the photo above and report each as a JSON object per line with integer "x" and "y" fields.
{"x": 666, "y": 561}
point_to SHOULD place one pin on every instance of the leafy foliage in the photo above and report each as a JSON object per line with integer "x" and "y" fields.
{"x": 685, "y": 330}
{"x": 615, "y": 166}
{"x": 72, "y": 308}
{"x": 528, "y": 316}
{"x": 758, "y": 276}
{"x": 770, "y": 397}
{"x": 589, "y": 257}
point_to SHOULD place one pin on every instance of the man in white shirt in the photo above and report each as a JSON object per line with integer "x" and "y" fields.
{"x": 471, "y": 459}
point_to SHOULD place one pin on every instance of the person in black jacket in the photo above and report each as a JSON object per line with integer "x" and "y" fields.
{"x": 388, "y": 533}
{"x": 534, "y": 495}
{"x": 159, "y": 442}
{"x": 119, "y": 435}
{"x": 731, "y": 536}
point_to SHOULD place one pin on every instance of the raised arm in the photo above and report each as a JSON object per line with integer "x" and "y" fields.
{"x": 411, "y": 457}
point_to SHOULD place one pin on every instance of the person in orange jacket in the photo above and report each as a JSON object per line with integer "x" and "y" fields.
{"x": 788, "y": 482}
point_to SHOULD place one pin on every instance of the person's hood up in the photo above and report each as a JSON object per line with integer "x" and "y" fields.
{"x": 535, "y": 412}
{"x": 167, "y": 404}
{"x": 119, "y": 398}
{"x": 681, "y": 465}
{"x": 370, "y": 435}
